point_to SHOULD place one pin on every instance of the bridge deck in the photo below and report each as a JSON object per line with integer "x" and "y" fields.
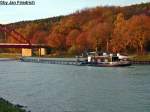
{"x": 11, "y": 45}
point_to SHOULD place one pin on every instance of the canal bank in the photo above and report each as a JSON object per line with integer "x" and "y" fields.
{"x": 140, "y": 62}
{"x": 8, "y": 59}
{"x": 6, "y": 106}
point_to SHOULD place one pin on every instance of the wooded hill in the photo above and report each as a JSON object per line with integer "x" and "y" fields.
{"x": 114, "y": 29}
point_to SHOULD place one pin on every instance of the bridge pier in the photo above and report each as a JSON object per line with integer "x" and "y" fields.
{"x": 42, "y": 51}
{"x": 26, "y": 52}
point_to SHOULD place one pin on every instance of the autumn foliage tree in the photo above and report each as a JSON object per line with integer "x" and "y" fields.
{"x": 99, "y": 36}
{"x": 138, "y": 32}
{"x": 82, "y": 42}
{"x": 71, "y": 38}
{"x": 130, "y": 35}
{"x": 57, "y": 41}
{"x": 118, "y": 38}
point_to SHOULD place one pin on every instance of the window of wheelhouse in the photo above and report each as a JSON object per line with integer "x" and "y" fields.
{"x": 115, "y": 59}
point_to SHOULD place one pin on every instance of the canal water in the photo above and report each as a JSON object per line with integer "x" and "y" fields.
{"x": 66, "y": 88}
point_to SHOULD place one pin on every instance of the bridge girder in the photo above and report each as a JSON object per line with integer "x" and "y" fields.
{"x": 14, "y": 34}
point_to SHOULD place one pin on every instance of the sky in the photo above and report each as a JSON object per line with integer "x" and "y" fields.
{"x": 50, "y": 8}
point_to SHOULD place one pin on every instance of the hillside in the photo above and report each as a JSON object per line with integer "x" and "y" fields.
{"x": 116, "y": 29}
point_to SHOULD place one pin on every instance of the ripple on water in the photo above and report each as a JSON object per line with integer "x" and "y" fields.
{"x": 60, "y": 88}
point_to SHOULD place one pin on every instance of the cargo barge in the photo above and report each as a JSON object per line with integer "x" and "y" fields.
{"x": 91, "y": 60}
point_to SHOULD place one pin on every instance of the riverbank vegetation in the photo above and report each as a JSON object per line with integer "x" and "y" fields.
{"x": 10, "y": 55}
{"x": 140, "y": 57}
{"x": 115, "y": 29}
{"x": 6, "y": 106}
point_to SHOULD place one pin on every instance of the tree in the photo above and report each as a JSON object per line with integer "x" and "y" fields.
{"x": 138, "y": 32}
{"x": 57, "y": 41}
{"x": 39, "y": 37}
{"x": 71, "y": 38}
{"x": 82, "y": 43}
{"x": 118, "y": 43}
{"x": 100, "y": 36}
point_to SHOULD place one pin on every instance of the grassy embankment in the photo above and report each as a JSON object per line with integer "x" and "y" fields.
{"x": 6, "y": 106}
{"x": 9, "y": 55}
{"x": 140, "y": 57}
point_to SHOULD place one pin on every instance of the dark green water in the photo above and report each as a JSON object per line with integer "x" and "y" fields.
{"x": 64, "y": 88}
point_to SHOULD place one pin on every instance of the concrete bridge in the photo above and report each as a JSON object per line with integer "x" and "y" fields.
{"x": 24, "y": 42}
{"x": 26, "y": 48}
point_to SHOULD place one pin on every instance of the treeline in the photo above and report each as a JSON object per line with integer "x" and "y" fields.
{"x": 113, "y": 29}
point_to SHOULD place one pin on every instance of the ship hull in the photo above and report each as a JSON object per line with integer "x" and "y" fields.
{"x": 110, "y": 64}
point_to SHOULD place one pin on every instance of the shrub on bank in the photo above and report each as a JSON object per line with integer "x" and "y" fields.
{"x": 6, "y": 106}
